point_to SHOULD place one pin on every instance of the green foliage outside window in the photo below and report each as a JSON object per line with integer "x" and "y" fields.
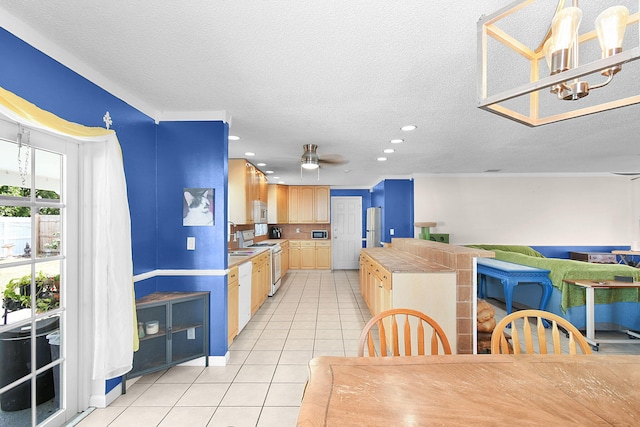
{"x": 21, "y": 211}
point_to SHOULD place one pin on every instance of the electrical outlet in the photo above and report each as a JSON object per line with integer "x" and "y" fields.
{"x": 392, "y": 231}
{"x": 191, "y": 243}
{"x": 297, "y": 230}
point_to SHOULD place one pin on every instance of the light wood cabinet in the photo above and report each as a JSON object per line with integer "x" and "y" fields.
{"x": 294, "y": 254}
{"x": 323, "y": 255}
{"x": 321, "y": 204}
{"x": 278, "y": 202}
{"x": 431, "y": 292}
{"x": 246, "y": 184}
{"x": 307, "y": 255}
{"x": 260, "y": 280}
{"x": 309, "y": 204}
{"x": 232, "y": 304}
{"x": 294, "y": 202}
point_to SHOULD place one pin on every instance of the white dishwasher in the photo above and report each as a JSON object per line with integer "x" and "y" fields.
{"x": 244, "y": 295}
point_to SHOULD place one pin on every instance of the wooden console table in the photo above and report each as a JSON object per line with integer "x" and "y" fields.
{"x": 471, "y": 390}
{"x": 624, "y": 255}
{"x": 590, "y": 286}
{"x": 511, "y": 275}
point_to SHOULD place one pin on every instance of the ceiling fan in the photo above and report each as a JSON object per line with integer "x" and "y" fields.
{"x": 310, "y": 159}
{"x": 634, "y": 174}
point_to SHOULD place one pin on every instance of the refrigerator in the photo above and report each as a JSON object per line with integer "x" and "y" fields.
{"x": 374, "y": 227}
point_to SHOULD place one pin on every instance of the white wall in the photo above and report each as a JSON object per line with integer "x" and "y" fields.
{"x": 530, "y": 210}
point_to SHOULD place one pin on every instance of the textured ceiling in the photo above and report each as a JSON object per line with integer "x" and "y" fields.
{"x": 343, "y": 75}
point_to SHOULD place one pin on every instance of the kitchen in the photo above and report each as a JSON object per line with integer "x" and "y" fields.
{"x": 290, "y": 223}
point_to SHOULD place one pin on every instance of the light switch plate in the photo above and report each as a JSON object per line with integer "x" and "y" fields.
{"x": 191, "y": 243}
{"x": 392, "y": 231}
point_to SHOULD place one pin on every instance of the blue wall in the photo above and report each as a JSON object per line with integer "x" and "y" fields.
{"x": 194, "y": 155}
{"x": 395, "y": 197}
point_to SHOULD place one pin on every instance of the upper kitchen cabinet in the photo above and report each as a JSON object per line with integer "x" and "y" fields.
{"x": 278, "y": 201}
{"x": 308, "y": 204}
{"x": 247, "y": 184}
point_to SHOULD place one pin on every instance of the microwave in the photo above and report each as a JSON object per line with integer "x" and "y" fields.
{"x": 319, "y": 234}
{"x": 259, "y": 212}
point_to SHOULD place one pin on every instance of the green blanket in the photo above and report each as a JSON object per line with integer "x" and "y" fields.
{"x": 572, "y": 295}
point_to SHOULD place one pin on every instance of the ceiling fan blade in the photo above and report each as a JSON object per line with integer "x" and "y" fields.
{"x": 333, "y": 160}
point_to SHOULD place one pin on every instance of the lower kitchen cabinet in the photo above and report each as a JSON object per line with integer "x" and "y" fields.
{"x": 309, "y": 255}
{"x": 173, "y": 328}
{"x": 233, "y": 290}
{"x": 260, "y": 280}
{"x": 323, "y": 255}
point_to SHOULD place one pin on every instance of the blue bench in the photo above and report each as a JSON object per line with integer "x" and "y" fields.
{"x": 511, "y": 275}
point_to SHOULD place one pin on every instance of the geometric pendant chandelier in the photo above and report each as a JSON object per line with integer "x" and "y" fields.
{"x": 541, "y": 62}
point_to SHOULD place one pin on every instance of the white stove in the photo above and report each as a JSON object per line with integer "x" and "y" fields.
{"x": 246, "y": 241}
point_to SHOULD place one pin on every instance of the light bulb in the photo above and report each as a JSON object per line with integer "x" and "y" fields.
{"x": 547, "y": 50}
{"x": 309, "y": 165}
{"x": 564, "y": 27}
{"x": 610, "y": 26}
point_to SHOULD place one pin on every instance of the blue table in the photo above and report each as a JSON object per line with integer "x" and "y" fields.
{"x": 511, "y": 275}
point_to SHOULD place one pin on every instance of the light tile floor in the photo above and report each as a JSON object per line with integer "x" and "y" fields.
{"x": 312, "y": 314}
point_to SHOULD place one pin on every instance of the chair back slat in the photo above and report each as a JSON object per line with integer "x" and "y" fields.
{"x": 383, "y": 339}
{"x": 395, "y": 337}
{"x": 413, "y": 338}
{"x": 406, "y": 336}
{"x": 515, "y": 338}
{"x": 555, "y": 333}
{"x": 499, "y": 343}
{"x": 542, "y": 336}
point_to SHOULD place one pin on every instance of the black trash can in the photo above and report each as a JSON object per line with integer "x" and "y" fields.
{"x": 15, "y": 363}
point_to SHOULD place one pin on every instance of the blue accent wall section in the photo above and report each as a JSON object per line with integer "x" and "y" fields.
{"x": 194, "y": 155}
{"x": 395, "y": 197}
{"x": 191, "y": 155}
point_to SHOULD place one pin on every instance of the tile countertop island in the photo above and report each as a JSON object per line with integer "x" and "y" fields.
{"x": 398, "y": 261}
{"x": 408, "y": 259}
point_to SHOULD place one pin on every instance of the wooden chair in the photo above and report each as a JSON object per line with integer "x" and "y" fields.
{"x": 388, "y": 334}
{"x": 499, "y": 344}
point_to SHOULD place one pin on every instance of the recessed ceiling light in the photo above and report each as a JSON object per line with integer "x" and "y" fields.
{"x": 389, "y": 150}
{"x": 408, "y": 128}
{"x": 281, "y": 182}
{"x": 381, "y": 159}
{"x": 268, "y": 171}
{"x": 347, "y": 170}
{"x": 276, "y": 177}
{"x": 397, "y": 141}
{"x": 233, "y": 138}
{"x": 249, "y": 153}
{"x": 261, "y": 164}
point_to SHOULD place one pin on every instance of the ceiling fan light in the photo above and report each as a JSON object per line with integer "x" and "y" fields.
{"x": 309, "y": 159}
{"x": 309, "y": 165}
{"x": 610, "y": 27}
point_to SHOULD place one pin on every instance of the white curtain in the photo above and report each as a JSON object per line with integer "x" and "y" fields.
{"x": 105, "y": 234}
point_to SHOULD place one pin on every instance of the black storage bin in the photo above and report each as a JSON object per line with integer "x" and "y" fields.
{"x": 15, "y": 363}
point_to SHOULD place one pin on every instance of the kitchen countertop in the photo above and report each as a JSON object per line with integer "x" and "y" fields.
{"x": 237, "y": 260}
{"x": 397, "y": 261}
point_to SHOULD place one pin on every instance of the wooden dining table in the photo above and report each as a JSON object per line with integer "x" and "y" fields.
{"x": 473, "y": 390}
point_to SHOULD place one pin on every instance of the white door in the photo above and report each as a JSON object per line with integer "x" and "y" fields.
{"x": 346, "y": 225}
{"x": 38, "y": 251}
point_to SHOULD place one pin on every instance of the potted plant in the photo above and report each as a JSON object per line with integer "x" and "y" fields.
{"x": 17, "y": 293}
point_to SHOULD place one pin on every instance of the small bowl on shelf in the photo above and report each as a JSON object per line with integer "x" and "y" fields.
{"x": 152, "y": 327}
